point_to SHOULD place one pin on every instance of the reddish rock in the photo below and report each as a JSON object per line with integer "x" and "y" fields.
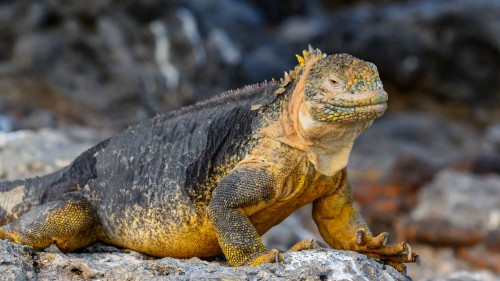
{"x": 409, "y": 174}
{"x": 412, "y": 172}
{"x": 368, "y": 193}
{"x": 481, "y": 256}
{"x": 492, "y": 241}
{"x": 388, "y": 197}
{"x": 438, "y": 232}
{"x": 382, "y": 203}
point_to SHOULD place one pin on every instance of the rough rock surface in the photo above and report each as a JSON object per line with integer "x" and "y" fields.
{"x": 442, "y": 263}
{"x": 459, "y": 210}
{"x": 16, "y": 262}
{"x": 21, "y": 263}
{"x": 463, "y": 199}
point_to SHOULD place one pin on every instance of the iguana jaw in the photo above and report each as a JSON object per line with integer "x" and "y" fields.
{"x": 347, "y": 107}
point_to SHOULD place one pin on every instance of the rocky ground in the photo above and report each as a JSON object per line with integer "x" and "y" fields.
{"x": 448, "y": 208}
{"x": 428, "y": 171}
{"x": 108, "y": 263}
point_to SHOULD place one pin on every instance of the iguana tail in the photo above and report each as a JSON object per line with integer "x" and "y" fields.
{"x": 19, "y": 196}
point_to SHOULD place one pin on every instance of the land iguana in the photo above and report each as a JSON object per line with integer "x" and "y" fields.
{"x": 210, "y": 178}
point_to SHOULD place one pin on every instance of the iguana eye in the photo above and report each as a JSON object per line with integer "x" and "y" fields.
{"x": 334, "y": 82}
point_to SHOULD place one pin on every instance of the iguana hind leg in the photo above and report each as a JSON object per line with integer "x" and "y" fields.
{"x": 71, "y": 223}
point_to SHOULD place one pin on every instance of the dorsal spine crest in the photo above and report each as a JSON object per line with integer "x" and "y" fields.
{"x": 293, "y": 75}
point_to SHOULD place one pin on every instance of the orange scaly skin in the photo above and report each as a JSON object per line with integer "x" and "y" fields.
{"x": 211, "y": 178}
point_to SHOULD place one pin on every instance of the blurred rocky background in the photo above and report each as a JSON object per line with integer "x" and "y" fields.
{"x": 428, "y": 172}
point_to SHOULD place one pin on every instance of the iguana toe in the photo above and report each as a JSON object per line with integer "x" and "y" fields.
{"x": 376, "y": 247}
{"x": 307, "y": 244}
{"x": 271, "y": 256}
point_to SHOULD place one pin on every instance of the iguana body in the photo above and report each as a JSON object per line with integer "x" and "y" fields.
{"x": 211, "y": 178}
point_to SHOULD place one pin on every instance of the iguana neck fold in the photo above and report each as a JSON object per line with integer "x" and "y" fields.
{"x": 326, "y": 144}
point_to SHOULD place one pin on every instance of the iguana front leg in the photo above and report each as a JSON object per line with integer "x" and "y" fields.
{"x": 343, "y": 228}
{"x": 237, "y": 237}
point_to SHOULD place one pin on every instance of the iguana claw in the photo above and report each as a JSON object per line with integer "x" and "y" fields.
{"x": 376, "y": 247}
{"x": 270, "y": 256}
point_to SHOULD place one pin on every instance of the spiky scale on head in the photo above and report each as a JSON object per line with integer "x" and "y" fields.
{"x": 310, "y": 54}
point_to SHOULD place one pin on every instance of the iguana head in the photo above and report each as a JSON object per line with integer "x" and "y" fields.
{"x": 331, "y": 101}
{"x": 340, "y": 87}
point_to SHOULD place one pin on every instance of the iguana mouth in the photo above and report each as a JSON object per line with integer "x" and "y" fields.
{"x": 353, "y": 101}
{"x": 352, "y": 107}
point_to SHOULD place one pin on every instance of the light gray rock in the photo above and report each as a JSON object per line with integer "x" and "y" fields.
{"x": 21, "y": 263}
{"x": 467, "y": 276}
{"x": 463, "y": 199}
{"x": 27, "y": 153}
{"x": 492, "y": 138}
{"x": 16, "y": 262}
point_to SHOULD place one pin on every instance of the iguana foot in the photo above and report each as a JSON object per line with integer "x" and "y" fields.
{"x": 3, "y": 234}
{"x": 307, "y": 244}
{"x": 70, "y": 222}
{"x": 272, "y": 256}
{"x": 376, "y": 247}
